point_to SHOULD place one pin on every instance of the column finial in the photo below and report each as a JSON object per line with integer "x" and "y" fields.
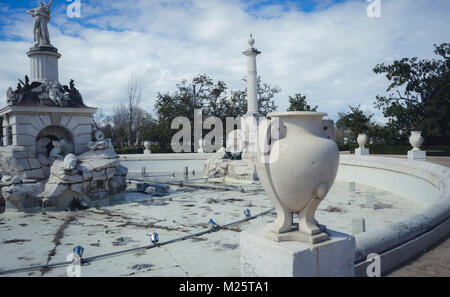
{"x": 251, "y": 40}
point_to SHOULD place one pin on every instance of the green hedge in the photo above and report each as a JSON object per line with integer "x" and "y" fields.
{"x": 347, "y": 147}
{"x": 140, "y": 149}
{"x": 385, "y": 149}
{"x": 398, "y": 149}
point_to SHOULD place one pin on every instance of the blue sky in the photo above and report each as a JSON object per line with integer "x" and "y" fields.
{"x": 324, "y": 49}
{"x": 301, "y": 5}
{"x": 255, "y": 8}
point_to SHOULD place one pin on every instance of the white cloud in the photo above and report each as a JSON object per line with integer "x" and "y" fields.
{"x": 326, "y": 54}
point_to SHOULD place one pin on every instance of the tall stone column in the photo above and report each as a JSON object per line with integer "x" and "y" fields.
{"x": 252, "y": 78}
{"x": 44, "y": 63}
{"x": 249, "y": 122}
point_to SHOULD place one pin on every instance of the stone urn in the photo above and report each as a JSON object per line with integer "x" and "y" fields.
{"x": 362, "y": 140}
{"x": 416, "y": 140}
{"x": 147, "y": 150}
{"x": 296, "y": 164}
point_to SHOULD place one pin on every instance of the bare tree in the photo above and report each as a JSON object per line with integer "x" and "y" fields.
{"x": 120, "y": 123}
{"x": 133, "y": 94}
{"x": 141, "y": 119}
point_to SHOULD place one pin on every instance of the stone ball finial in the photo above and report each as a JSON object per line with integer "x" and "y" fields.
{"x": 251, "y": 40}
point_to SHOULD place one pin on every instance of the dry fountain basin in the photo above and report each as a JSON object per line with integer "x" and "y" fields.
{"x": 410, "y": 212}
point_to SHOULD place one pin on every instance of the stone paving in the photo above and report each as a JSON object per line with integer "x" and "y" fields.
{"x": 435, "y": 261}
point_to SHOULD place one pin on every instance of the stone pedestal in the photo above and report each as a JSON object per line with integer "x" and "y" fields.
{"x": 361, "y": 152}
{"x": 147, "y": 152}
{"x": 266, "y": 258}
{"x": 417, "y": 155}
{"x": 44, "y": 63}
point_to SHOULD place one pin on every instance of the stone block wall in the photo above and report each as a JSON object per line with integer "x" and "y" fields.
{"x": 27, "y": 181}
{"x": 26, "y": 128}
{"x": 22, "y": 178}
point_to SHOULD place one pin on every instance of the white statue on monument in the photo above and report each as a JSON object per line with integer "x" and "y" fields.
{"x": 41, "y": 17}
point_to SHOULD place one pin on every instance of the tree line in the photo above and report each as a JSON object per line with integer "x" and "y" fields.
{"x": 418, "y": 98}
{"x": 130, "y": 124}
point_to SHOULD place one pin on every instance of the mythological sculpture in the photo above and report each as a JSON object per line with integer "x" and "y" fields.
{"x": 41, "y": 17}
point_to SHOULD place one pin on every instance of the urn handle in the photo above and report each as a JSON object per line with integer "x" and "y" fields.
{"x": 328, "y": 129}
{"x": 277, "y": 130}
{"x": 262, "y": 142}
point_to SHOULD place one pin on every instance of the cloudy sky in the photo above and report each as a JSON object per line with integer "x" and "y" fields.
{"x": 325, "y": 49}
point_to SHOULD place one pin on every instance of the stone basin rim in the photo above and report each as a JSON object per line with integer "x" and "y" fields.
{"x": 399, "y": 241}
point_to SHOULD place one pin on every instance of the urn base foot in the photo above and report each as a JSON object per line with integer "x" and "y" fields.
{"x": 296, "y": 235}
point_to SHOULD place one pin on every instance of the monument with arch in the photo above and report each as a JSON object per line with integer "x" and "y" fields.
{"x": 47, "y": 154}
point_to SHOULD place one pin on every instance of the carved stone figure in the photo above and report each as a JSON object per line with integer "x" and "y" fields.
{"x": 52, "y": 93}
{"x": 56, "y": 152}
{"x": 74, "y": 94}
{"x": 99, "y": 135}
{"x": 41, "y": 17}
{"x": 11, "y": 98}
{"x": 102, "y": 143}
{"x": 70, "y": 162}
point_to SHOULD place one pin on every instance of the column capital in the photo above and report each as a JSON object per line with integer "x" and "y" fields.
{"x": 251, "y": 51}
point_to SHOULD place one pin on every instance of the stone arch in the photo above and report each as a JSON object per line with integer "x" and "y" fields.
{"x": 45, "y": 138}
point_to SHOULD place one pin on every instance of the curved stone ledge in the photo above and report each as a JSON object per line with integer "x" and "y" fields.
{"x": 173, "y": 156}
{"x": 399, "y": 241}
